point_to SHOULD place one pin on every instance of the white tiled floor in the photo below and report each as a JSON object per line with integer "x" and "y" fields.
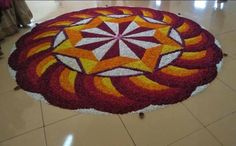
{"x": 207, "y": 119}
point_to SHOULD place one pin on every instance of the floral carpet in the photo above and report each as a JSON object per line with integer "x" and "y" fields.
{"x": 115, "y": 60}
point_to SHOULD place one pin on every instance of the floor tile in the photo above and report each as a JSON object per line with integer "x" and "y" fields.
{"x": 5, "y": 77}
{"x": 225, "y": 130}
{"x": 19, "y": 113}
{"x": 212, "y": 104}
{"x": 34, "y": 138}
{"x": 161, "y": 127}
{"x": 213, "y": 15}
{"x": 7, "y": 83}
{"x": 227, "y": 75}
{"x": 228, "y": 43}
{"x": 56, "y": 8}
{"x": 216, "y": 17}
{"x": 88, "y": 130}
{"x": 9, "y": 42}
{"x": 52, "y": 114}
{"x": 216, "y": 21}
{"x": 199, "y": 138}
{"x": 49, "y": 7}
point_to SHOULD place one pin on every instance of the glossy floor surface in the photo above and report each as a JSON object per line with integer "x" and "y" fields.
{"x": 208, "y": 119}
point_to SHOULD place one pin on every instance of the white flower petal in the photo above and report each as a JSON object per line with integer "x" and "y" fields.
{"x": 97, "y": 31}
{"x": 102, "y": 50}
{"x": 70, "y": 62}
{"x": 153, "y": 20}
{"x": 132, "y": 26}
{"x": 113, "y": 26}
{"x": 142, "y": 34}
{"x": 199, "y": 89}
{"x": 174, "y": 34}
{"x": 59, "y": 38}
{"x": 218, "y": 43}
{"x": 117, "y": 16}
{"x": 84, "y": 21}
{"x": 120, "y": 72}
{"x": 142, "y": 44}
{"x": 167, "y": 59}
{"x": 86, "y": 41}
{"x": 125, "y": 51}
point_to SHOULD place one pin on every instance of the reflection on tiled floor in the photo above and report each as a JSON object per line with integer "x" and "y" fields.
{"x": 207, "y": 119}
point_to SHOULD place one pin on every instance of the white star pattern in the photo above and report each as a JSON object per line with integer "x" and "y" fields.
{"x": 124, "y": 50}
{"x": 107, "y": 41}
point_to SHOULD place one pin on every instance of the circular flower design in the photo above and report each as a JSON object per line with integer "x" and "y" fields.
{"x": 115, "y": 59}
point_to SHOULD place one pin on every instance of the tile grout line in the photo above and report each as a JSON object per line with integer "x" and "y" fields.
{"x": 127, "y": 130}
{"x": 24, "y": 133}
{"x": 45, "y": 137}
{"x": 62, "y": 120}
{"x": 223, "y": 33}
{"x": 223, "y": 117}
{"x": 227, "y": 85}
{"x": 214, "y": 136}
{"x": 203, "y": 125}
{"x": 185, "y": 136}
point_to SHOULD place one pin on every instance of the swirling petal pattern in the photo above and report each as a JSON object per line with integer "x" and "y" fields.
{"x": 115, "y": 59}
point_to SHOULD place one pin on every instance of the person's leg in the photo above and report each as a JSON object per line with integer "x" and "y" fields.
{"x": 23, "y": 13}
{"x": 8, "y": 24}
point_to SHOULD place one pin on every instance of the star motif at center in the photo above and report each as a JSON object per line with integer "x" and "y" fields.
{"x": 104, "y": 43}
{"x": 109, "y": 40}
